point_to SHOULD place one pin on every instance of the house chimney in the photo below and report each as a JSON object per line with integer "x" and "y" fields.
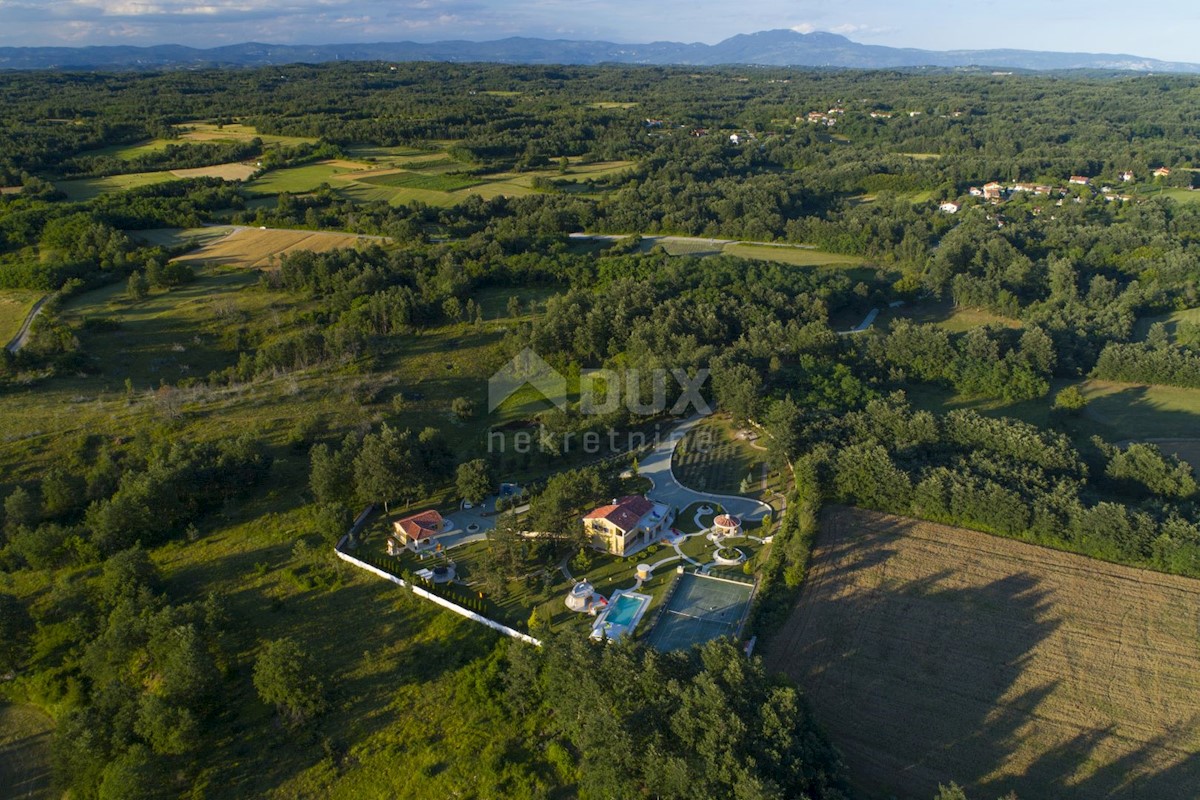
{"x": 614, "y": 501}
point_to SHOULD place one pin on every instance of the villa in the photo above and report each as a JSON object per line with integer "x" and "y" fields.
{"x": 417, "y": 531}
{"x": 627, "y": 524}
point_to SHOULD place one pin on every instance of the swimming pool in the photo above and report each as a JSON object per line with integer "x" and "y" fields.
{"x": 624, "y": 610}
{"x": 622, "y": 615}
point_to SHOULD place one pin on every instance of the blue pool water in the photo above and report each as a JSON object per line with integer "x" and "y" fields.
{"x": 624, "y": 609}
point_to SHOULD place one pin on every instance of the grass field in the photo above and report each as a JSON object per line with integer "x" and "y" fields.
{"x": 945, "y": 314}
{"x": 25, "y": 752}
{"x": 297, "y": 180}
{"x": 14, "y": 307}
{"x": 417, "y": 180}
{"x": 89, "y": 188}
{"x": 933, "y": 654}
{"x": 399, "y": 176}
{"x": 797, "y": 256}
{"x": 1169, "y": 321}
{"x": 1115, "y": 411}
{"x": 1179, "y": 195}
{"x": 254, "y": 247}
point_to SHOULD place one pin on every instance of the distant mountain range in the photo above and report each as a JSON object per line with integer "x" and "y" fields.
{"x": 769, "y": 48}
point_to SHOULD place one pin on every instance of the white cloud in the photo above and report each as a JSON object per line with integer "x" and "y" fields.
{"x": 804, "y": 27}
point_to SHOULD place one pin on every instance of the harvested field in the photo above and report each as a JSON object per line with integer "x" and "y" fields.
{"x": 253, "y": 247}
{"x": 25, "y": 752}
{"x": 933, "y": 654}
{"x": 230, "y": 172}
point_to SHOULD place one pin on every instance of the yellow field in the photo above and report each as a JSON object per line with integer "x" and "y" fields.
{"x": 254, "y": 247}
{"x": 205, "y": 132}
{"x": 933, "y": 654}
{"x": 230, "y": 172}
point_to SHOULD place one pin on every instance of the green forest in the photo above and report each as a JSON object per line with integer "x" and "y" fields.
{"x": 186, "y": 440}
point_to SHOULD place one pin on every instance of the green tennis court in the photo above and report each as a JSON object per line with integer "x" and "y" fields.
{"x": 699, "y": 609}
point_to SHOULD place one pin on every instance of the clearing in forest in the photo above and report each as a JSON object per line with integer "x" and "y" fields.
{"x": 25, "y": 752}
{"x": 255, "y": 247}
{"x": 933, "y": 654}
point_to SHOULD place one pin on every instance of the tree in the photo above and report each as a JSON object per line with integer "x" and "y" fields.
{"x": 20, "y": 510}
{"x": 737, "y": 388}
{"x": 387, "y": 466}
{"x": 782, "y": 425}
{"x": 15, "y": 629}
{"x": 331, "y": 473}
{"x": 474, "y": 481}
{"x": 138, "y": 287}
{"x": 125, "y": 573}
{"x": 1070, "y": 400}
{"x": 285, "y": 678}
{"x": 463, "y": 408}
{"x": 62, "y": 492}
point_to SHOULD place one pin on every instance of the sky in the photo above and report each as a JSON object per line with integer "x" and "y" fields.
{"x": 1165, "y": 29}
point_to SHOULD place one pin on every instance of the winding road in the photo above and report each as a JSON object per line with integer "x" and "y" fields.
{"x": 657, "y": 467}
{"x": 22, "y": 336}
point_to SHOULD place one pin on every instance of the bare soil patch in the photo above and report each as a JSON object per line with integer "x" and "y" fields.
{"x": 932, "y": 654}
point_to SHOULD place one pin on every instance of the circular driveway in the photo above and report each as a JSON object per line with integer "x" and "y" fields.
{"x": 657, "y": 467}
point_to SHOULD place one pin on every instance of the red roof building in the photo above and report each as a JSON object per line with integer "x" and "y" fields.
{"x": 626, "y": 524}
{"x": 419, "y": 527}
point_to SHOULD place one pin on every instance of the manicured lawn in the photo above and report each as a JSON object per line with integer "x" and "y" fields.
{"x": 711, "y": 459}
{"x": 686, "y": 520}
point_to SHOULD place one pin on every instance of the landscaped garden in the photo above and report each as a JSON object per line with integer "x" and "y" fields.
{"x": 712, "y": 457}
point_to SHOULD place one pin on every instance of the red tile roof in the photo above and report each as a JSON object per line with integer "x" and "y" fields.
{"x": 420, "y": 526}
{"x": 625, "y": 512}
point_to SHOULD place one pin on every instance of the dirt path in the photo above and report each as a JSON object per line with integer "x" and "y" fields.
{"x": 22, "y": 336}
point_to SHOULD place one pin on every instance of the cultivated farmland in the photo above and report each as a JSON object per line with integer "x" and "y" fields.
{"x": 254, "y": 247}
{"x": 934, "y": 654}
{"x": 234, "y": 171}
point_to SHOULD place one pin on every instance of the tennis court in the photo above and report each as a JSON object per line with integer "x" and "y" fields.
{"x": 700, "y": 608}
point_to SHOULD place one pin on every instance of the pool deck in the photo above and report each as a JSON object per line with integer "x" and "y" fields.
{"x": 603, "y": 629}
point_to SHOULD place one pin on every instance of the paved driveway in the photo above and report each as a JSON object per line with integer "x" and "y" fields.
{"x": 657, "y": 467}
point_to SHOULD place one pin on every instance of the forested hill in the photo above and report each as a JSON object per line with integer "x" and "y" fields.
{"x": 771, "y": 48}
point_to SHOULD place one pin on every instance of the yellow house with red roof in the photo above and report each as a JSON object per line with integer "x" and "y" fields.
{"x": 627, "y": 524}
{"x": 416, "y": 531}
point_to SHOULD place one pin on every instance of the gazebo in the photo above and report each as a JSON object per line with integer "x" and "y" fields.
{"x": 727, "y": 525}
{"x": 580, "y": 597}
